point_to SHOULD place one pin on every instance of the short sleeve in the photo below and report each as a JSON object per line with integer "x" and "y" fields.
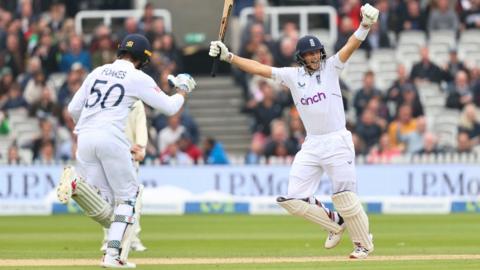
{"x": 283, "y": 75}
{"x": 336, "y": 63}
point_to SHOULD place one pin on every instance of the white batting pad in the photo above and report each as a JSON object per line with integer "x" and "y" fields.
{"x": 93, "y": 204}
{"x": 350, "y": 208}
{"x": 311, "y": 212}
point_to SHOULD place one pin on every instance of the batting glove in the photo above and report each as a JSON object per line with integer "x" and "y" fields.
{"x": 216, "y": 48}
{"x": 182, "y": 81}
{"x": 369, "y": 15}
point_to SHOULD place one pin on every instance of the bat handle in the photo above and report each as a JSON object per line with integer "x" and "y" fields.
{"x": 216, "y": 60}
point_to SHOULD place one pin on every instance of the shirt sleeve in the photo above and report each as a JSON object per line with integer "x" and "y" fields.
{"x": 77, "y": 103}
{"x": 151, "y": 94}
{"x": 141, "y": 137}
{"x": 282, "y": 75}
{"x": 336, "y": 63}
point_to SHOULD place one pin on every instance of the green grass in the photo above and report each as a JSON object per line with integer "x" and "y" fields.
{"x": 63, "y": 237}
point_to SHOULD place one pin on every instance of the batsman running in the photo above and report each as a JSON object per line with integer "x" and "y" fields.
{"x": 104, "y": 181}
{"x": 328, "y": 146}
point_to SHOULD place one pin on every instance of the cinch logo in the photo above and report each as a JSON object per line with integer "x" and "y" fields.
{"x": 129, "y": 43}
{"x": 311, "y": 100}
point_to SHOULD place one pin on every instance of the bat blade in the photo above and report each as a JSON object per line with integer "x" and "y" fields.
{"x": 227, "y": 10}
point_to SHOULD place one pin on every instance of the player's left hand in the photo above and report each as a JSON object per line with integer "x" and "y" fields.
{"x": 138, "y": 152}
{"x": 369, "y": 15}
{"x": 182, "y": 81}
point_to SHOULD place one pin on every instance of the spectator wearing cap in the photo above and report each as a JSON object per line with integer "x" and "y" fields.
{"x": 75, "y": 53}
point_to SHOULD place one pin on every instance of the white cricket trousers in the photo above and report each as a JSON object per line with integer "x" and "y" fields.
{"x": 332, "y": 153}
{"x": 104, "y": 161}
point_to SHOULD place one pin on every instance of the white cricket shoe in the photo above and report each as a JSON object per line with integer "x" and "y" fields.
{"x": 360, "y": 252}
{"x": 66, "y": 186}
{"x": 334, "y": 238}
{"x": 109, "y": 261}
{"x": 137, "y": 245}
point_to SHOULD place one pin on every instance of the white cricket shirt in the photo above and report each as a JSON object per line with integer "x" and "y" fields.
{"x": 106, "y": 96}
{"x": 317, "y": 97}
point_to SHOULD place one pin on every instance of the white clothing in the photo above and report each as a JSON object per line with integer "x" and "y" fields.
{"x": 317, "y": 97}
{"x": 101, "y": 107}
{"x": 328, "y": 146}
{"x": 167, "y": 136}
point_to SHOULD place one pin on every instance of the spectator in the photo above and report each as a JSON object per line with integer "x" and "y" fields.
{"x": 46, "y": 135}
{"x": 57, "y": 15}
{"x": 394, "y": 96}
{"x": 454, "y": 65}
{"x": 213, "y": 152}
{"x": 279, "y": 144}
{"x": 285, "y": 52}
{"x": 185, "y": 144}
{"x": 47, "y": 153}
{"x": 442, "y": 17}
{"x": 75, "y": 53}
{"x": 297, "y": 131}
{"x": 14, "y": 57}
{"x": 425, "y": 70}
{"x": 469, "y": 122}
{"x": 430, "y": 144}
{"x": 409, "y": 95}
{"x": 34, "y": 87}
{"x": 186, "y": 120}
{"x": 346, "y": 29}
{"x": 368, "y": 130}
{"x": 460, "y": 93}
{"x": 376, "y": 105}
{"x": 255, "y": 153}
{"x": 464, "y": 144}
{"x": 265, "y": 111}
{"x": 470, "y": 17}
{"x": 384, "y": 152}
{"x": 173, "y": 155}
{"x": 13, "y": 158}
{"x": 71, "y": 85}
{"x": 48, "y": 52}
{"x": 171, "y": 133}
{"x": 147, "y": 20}
{"x": 130, "y": 26}
{"x": 402, "y": 126}
{"x": 45, "y": 106}
{"x": 414, "y": 141}
{"x": 259, "y": 18}
{"x": 414, "y": 18}
{"x": 102, "y": 47}
{"x": 358, "y": 144}
{"x": 387, "y": 19}
{"x": 6, "y": 81}
{"x": 14, "y": 99}
{"x": 377, "y": 39}
{"x": 4, "y": 124}
{"x": 365, "y": 93}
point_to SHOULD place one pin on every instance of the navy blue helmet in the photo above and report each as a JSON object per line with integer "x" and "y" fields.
{"x": 307, "y": 44}
{"x": 137, "y": 46}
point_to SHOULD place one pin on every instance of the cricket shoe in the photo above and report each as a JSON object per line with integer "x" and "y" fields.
{"x": 67, "y": 184}
{"x": 137, "y": 245}
{"x": 360, "y": 252}
{"x": 334, "y": 238}
{"x": 110, "y": 261}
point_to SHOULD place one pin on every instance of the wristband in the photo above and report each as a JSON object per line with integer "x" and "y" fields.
{"x": 361, "y": 33}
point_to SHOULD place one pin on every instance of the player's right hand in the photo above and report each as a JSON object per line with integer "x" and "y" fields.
{"x": 369, "y": 15}
{"x": 216, "y": 48}
{"x": 182, "y": 81}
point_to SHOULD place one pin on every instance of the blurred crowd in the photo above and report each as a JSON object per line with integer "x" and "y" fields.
{"x": 43, "y": 61}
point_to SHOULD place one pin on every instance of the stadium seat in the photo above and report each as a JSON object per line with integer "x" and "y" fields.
{"x": 417, "y": 38}
{"x": 446, "y": 37}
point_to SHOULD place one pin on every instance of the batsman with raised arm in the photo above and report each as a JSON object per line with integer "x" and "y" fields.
{"x": 328, "y": 146}
{"x": 104, "y": 181}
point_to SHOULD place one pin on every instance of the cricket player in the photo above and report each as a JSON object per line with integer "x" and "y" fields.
{"x": 137, "y": 134}
{"x": 104, "y": 181}
{"x": 328, "y": 146}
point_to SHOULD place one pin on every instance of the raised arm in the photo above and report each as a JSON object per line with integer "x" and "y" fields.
{"x": 247, "y": 65}
{"x": 369, "y": 17}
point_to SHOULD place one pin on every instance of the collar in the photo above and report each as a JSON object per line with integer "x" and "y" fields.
{"x": 125, "y": 63}
{"x": 304, "y": 72}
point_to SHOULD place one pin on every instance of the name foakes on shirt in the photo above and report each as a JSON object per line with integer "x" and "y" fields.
{"x": 119, "y": 74}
